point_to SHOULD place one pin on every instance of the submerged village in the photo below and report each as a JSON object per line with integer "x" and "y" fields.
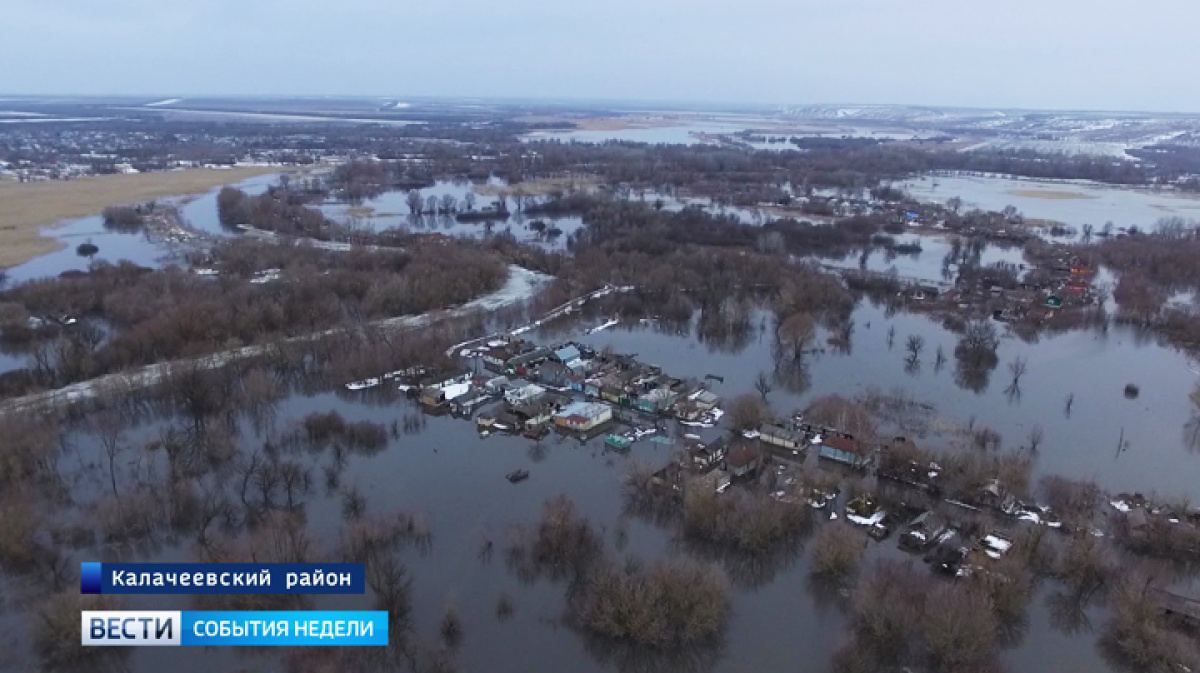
{"x": 960, "y": 517}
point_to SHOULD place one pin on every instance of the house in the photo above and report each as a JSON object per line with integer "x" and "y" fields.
{"x": 497, "y": 355}
{"x": 554, "y": 374}
{"x": 743, "y": 461}
{"x": 841, "y": 449}
{"x": 704, "y": 457}
{"x": 994, "y": 495}
{"x": 922, "y": 532}
{"x": 705, "y": 400}
{"x": 441, "y": 394}
{"x": 536, "y": 413}
{"x": 523, "y": 391}
{"x": 782, "y": 437}
{"x": 583, "y": 416}
{"x": 591, "y": 387}
{"x": 466, "y": 405}
{"x": 567, "y": 354}
{"x": 497, "y": 386}
{"x": 656, "y": 401}
{"x": 524, "y": 363}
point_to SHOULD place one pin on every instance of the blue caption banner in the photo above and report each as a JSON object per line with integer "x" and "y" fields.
{"x": 222, "y": 578}
{"x": 251, "y": 628}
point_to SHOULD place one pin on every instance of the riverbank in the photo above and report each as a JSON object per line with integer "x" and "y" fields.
{"x": 30, "y": 206}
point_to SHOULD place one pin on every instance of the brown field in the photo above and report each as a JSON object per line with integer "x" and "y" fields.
{"x": 1048, "y": 194}
{"x": 26, "y": 207}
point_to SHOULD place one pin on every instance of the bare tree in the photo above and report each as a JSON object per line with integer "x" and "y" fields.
{"x": 1017, "y": 368}
{"x": 954, "y": 203}
{"x": 109, "y": 427}
{"x": 449, "y": 203}
{"x": 1070, "y": 403}
{"x": 763, "y": 385}
{"x": 891, "y": 336}
{"x": 795, "y": 333}
{"x": 915, "y": 344}
{"x": 747, "y": 412}
{"x": 431, "y": 204}
{"x": 469, "y": 200}
{"x": 1036, "y": 434}
{"x": 413, "y": 199}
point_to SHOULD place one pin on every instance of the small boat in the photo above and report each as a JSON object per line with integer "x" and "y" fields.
{"x": 517, "y": 476}
{"x": 363, "y": 384}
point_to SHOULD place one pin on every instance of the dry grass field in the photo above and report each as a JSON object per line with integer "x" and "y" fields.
{"x": 25, "y": 208}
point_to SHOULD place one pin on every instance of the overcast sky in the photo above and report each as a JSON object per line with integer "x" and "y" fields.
{"x": 1093, "y": 54}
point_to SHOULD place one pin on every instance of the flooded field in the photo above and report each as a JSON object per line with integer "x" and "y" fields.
{"x": 199, "y": 212}
{"x": 1072, "y": 203}
{"x": 390, "y": 210}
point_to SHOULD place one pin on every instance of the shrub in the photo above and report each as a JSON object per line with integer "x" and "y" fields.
{"x": 750, "y": 524}
{"x": 665, "y": 605}
{"x": 960, "y": 629}
{"x": 1136, "y": 635}
{"x": 837, "y": 550}
{"x": 887, "y": 609}
{"x": 331, "y": 428}
{"x": 56, "y": 637}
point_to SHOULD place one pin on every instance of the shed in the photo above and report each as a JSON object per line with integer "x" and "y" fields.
{"x": 843, "y": 450}
{"x": 743, "y": 461}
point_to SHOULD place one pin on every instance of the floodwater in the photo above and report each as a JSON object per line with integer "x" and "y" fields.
{"x": 1161, "y": 450}
{"x": 684, "y": 134}
{"x": 200, "y": 212}
{"x": 390, "y": 210}
{"x": 136, "y": 247}
{"x": 928, "y": 265}
{"x": 455, "y": 479}
{"x": 1123, "y": 206}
